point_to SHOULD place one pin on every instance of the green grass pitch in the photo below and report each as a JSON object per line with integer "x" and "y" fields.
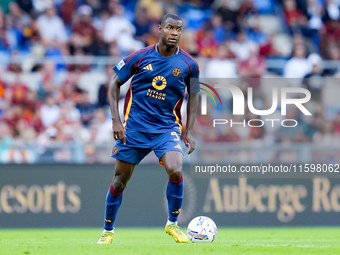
{"x": 155, "y": 241}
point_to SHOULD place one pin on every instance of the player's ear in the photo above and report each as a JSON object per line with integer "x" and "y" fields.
{"x": 159, "y": 28}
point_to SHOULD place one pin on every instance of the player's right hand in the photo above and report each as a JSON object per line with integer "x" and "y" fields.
{"x": 118, "y": 131}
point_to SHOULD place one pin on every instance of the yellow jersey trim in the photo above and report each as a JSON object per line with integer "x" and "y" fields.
{"x": 177, "y": 119}
{"x": 128, "y": 109}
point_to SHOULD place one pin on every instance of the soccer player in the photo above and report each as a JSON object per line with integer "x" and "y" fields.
{"x": 152, "y": 122}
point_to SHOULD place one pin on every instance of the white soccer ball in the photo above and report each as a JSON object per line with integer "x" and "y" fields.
{"x": 202, "y": 229}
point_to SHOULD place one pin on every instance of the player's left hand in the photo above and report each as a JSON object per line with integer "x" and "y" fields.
{"x": 189, "y": 141}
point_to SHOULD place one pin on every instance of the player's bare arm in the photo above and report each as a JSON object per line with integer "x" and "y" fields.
{"x": 117, "y": 127}
{"x": 192, "y": 107}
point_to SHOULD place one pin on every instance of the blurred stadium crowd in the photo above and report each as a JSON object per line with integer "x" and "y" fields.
{"x": 230, "y": 38}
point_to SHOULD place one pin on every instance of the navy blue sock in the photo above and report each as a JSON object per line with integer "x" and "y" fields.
{"x": 113, "y": 201}
{"x": 174, "y": 194}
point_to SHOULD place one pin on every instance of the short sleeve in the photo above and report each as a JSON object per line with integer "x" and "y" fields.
{"x": 194, "y": 86}
{"x": 123, "y": 70}
{"x": 195, "y": 71}
{"x": 128, "y": 66}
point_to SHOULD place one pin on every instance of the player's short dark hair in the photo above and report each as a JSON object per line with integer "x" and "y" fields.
{"x": 170, "y": 16}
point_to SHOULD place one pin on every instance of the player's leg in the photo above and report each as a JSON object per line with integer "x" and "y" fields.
{"x": 114, "y": 197}
{"x": 173, "y": 162}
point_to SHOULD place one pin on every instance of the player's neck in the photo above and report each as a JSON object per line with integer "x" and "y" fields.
{"x": 166, "y": 51}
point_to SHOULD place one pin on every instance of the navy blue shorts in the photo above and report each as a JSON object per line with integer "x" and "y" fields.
{"x": 139, "y": 144}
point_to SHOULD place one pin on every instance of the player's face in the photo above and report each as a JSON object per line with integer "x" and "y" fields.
{"x": 171, "y": 32}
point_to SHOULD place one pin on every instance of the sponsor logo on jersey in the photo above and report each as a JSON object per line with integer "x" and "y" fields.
{"x": 159, "y": 82}
{"x": 148, "y": 67}
{"x": 120, "y": 64}
{"x": 176, "y": 72}
{"x": 156, "y": 94}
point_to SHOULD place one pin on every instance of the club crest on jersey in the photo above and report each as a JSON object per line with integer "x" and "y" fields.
{"x": 120, "y": 64}
{"x": 115, "y": 150}
{"x": 176, "y": 71}
{"x": 159, "y": 82}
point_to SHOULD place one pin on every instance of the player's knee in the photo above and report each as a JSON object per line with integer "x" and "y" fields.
{"x": 118, "y": 184}
{"x": 174, "y": 170}
{"x": 175, "y": 173}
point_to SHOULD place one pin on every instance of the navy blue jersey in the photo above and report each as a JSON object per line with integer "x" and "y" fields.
{"x": 157, "y": 89}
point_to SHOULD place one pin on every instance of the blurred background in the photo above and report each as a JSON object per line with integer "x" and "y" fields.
{"x": 56, "y": 60}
